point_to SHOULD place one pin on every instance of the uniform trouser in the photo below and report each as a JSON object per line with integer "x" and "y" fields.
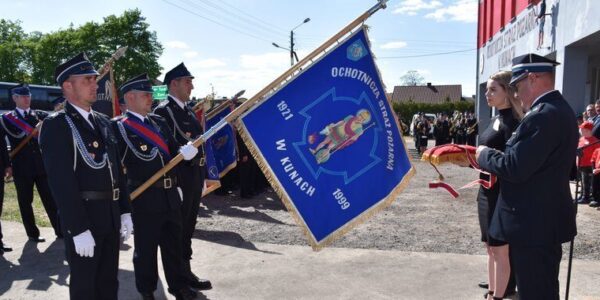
{"x": 586, "y": 181}
{"x": 151, "y": 231}
{"x": 191, "y": 183}
{"x": 537, "y": 269}
{"x": 24, "y": 186}
{"x": 95, "y": 278}
{"x": 1, "y": 204}
{"x": 247, "y": 178}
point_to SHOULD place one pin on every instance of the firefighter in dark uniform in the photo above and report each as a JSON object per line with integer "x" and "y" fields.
{"x": 5, "y": 169}
{"x": 185, "y": 127}
{"x": 80, "y": 150}
{"x": 27, "y": 165}
{"x": 535, "y": 213}
{"x": 146, "y": 146}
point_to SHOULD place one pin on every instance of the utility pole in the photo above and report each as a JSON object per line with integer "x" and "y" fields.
{"x": 292, "y": 44}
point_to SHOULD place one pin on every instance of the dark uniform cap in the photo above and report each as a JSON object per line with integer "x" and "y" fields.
{"x": 21, "y": 90}
{"x": 58, "y": 100}
{"x": 78, "y": 65}
{"x": 139, "y": 83}
{"x": 179, "y": 71}
{"x": 530, "y": 63}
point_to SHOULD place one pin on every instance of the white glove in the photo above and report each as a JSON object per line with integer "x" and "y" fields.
{"x": 126, "y": 226}
{"x": 84, "y": 244}
{"x": 180, "y": 193}
{"x": 188, "y": 151}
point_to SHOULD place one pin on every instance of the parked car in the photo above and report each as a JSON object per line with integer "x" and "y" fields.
{"x": 430, "y": 118}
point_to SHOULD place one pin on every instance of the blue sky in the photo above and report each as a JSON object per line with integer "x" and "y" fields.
{"x": 227, "y": 43}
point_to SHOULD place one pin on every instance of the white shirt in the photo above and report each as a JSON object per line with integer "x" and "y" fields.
{"x": 23, "y": 112}
{"x": 179, "y": 102}
{"x": 85, "y": 114}
{"x": 142, "y": 118}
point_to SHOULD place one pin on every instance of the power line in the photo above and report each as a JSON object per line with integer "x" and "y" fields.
{"x": 216, "y": 22}
{"x": 232, "y": 17}
{"x": 423, "y": 55}
{"x": 255, "y": 19}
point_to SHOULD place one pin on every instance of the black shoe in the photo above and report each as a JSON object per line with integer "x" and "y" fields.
{"x": 199, "y": 284}
{"x": 483, "y": 285}
{"x": 147, "y": 296}
{"x": 594, "y": 204}
{"x": 37, "y": 239}
{"x": 583, "y": 200}
{"x": 184, "y": 294}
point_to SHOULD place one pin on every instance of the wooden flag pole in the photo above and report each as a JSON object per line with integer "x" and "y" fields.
{"x": 23, "y": 143}
{"x": 381, "y": 4}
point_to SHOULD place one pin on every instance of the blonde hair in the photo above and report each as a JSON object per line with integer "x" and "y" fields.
{"x": 503, "y": 79}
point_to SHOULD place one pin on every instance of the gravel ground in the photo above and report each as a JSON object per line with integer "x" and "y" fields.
{"x": 421, "y": 220}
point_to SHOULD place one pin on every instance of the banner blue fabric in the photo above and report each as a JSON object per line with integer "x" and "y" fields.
{"x": 223, "y": 142}
{"x": 104, "y": 96}
{"x": 329, "y": 142}
{"x": 211, "y": 181}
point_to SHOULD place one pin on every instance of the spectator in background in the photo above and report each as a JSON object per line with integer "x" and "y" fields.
{"x": 597, "y": 109}
{"x": 441, "y": 130}
{"x": 591, "y": 113}
{"x": 596, "y": 179}
{"x": 587, "y": 144}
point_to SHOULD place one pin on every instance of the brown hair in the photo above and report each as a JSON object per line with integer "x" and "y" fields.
{"x": 503, "y": 78}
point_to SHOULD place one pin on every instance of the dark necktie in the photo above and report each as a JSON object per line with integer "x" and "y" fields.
{"x": 92, "y": 121}
{"x": 147, "y": 122}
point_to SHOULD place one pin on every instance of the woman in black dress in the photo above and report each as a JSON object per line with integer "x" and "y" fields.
{"x": 500, "y": 96}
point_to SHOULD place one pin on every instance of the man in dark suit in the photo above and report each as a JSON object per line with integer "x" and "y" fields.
{"x": 27, "y": 165}
{"x": 145, "y": 145}
{"x": 5, "y": 170}
{"x": 535, "y": 212}
{"x": 80, "y": 150}
{"x": 185, "y": 127}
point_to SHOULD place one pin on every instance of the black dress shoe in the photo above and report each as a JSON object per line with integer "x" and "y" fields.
{"x": 147, "y": 296}
{"x": 184, "y": 294}
{"x": 37, "y": 239}
{"x": 483, "y": 285}
{"x": 199, "y": 284}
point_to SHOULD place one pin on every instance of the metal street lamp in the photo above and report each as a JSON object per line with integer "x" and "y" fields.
{"x": 291, "y": 49}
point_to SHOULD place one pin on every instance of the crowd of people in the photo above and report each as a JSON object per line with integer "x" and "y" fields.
{"x": 460, "y": 128}
{"x": 99, "y": 164}
{"x": 588, "y": 156}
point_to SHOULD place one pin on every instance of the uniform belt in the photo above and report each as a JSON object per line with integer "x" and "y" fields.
{"x": 100, "y": 195}
{"x": 196, "y": 161}
{"x": 163, "y": 183}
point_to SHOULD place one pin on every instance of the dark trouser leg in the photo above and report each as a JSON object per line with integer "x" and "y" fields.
{"x": 147, "y": 228}
{"x": 41, "y": 183}
{"x": 191, "y": 185}
{"x": 596, "y": 187}
{"x": 24, "y": 186}
{"x": 107, "y": 282}
{"x": 586, "y": 181}
{"x": 170, "y": 249}
{"x": 1, "y": 204}
{"x": 537, "y": 270}
{"x": 94, "y": 277}
{"x": 246, "y": 179}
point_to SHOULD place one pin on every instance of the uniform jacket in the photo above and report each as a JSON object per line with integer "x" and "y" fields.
{"x": 28, "y": 161}
{"x": 183, "y": 123}
{"x": 142, "y": 160}
{"x": 71, "y": 174}
{"x": 535, "y": 206}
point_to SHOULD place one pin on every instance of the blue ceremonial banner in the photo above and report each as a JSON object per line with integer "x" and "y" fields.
{"x": 223, "y": 142}
{"x": 329, "y": 142}
{"x": 212, "y": 180}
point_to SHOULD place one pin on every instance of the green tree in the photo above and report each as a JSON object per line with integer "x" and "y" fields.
{"x": 12, "y": 52}
{"x": 99, "y": 41}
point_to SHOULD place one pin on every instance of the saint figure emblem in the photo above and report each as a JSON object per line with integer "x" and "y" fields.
{"x": 339, "y": 135}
